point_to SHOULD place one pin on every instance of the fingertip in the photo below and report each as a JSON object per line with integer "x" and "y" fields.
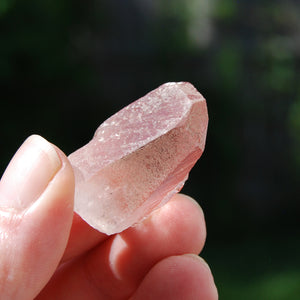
{"x": 187, "y": 213}
{"x": 192, "y": 201}
{"x": 178, "y": 277}
{"x": 203, "y": 275}
{"x": 28, "y": 174}
{"x": 59, "y": 193}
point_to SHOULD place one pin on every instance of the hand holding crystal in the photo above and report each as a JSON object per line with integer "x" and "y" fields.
{"x": 48, "y": 252}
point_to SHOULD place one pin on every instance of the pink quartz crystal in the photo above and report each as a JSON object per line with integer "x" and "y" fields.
{"x": 139, "y": 157}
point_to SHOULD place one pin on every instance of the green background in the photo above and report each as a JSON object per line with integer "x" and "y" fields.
{"x": 65, "y": 66}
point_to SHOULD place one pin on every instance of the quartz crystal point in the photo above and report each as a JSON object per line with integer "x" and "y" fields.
{"x": 139, "y": 157}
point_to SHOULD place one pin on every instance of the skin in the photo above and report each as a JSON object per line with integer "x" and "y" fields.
{"x": 48, "y": 252}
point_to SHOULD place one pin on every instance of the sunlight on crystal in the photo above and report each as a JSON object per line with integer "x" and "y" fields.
{"x": 136, "y": 164}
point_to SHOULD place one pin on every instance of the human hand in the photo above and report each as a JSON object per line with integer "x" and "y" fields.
{"x": 48, "y": 252}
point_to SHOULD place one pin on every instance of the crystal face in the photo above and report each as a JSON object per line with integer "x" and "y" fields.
{"x": 139, "y": 157}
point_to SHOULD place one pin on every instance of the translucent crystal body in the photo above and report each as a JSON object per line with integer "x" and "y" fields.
{"x": 139, "y": 157}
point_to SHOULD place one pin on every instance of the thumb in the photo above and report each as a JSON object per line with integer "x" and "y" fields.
{"x": 36, "y": 211}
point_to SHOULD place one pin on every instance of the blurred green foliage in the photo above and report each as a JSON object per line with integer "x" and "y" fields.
{"x": 65, "y": 66}
{"x": 257, "y": 268}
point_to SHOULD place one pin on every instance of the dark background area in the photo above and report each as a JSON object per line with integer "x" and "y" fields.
{"x": 65, "y": 66}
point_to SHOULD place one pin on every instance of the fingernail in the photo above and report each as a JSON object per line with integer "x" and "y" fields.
{"x": 28, "y": 174}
